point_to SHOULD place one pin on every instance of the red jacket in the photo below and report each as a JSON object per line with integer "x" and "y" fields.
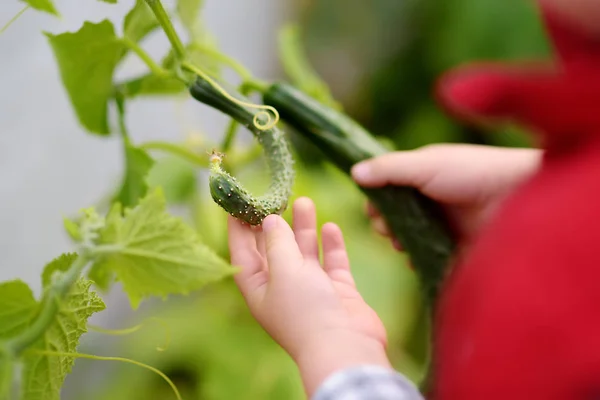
{"x": 520, "y": 315}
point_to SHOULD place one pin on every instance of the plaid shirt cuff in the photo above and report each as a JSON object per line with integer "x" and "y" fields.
{"x": 367, "y": 383}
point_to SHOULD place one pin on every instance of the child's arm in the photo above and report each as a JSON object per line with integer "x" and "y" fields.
{"x": 313, "y": 311}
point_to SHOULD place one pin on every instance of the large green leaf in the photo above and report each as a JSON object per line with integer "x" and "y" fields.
{"x": 42, "y": 5}
{"x": 137, "y": 165}
{"x": 43, "y": 375}
{"x": 86, "y": 60}
{"x": 156, "y": 254}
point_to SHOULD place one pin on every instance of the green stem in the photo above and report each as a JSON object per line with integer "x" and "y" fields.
{"x": 50, "y": 307}
{"x": 254, "y": 85}
{"x": 177, "y": 150}
{"x": 145, "y": 57}
{"x": 13, "y": 19}
{"x": 167, "y": 26}
{"x": 120, "y": 101}
{"x": 242, "y": 71}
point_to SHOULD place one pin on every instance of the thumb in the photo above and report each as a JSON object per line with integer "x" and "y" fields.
{"x": 282, "y": 250}
{"x": 401, "y": 168}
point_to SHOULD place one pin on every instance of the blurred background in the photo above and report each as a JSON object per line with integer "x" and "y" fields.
{"x": 379, "y": 57}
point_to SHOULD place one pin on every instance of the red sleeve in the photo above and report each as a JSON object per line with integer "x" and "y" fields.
{"x": 520, "y": 314}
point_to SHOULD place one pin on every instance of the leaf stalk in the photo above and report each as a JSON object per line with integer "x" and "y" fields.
{"x": 50, "y": 306}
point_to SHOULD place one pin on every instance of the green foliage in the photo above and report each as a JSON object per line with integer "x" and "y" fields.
{"x": 176, "y": 177}
{"x": 56, "y": 267}
{"x": 188, "y": 11}
{"x": 17, "y": 307}
{"x": 6, "y": 375}
{"x": 155, "y": 254}
{"x": 42, "y": 5}
{"x": 44, "y": 374}
{"x": 72, "y": 229}
{"x": 134, "y": 186}
{"x": 93, "y": 49}
{"x": 139, "y": 22}
{"x": 151, "y": 85}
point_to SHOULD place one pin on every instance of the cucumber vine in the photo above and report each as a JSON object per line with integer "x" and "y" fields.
{"x": 137, "y": 242}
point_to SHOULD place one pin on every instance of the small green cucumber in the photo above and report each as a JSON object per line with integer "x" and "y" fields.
{"x": 226, "y": 190}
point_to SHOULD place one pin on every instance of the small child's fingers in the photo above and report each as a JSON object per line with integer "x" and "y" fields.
{"x": 305, "y": 228}
{"x": 244, "y": 254}
{"x": 407, "y": 168}
{"x": 280, "y": 243}
{"x": 335, "y": 257}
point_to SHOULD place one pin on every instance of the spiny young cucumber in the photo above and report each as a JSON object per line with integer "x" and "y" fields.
{"x": 417, "y": 221}
{"x": 227, "y": 191}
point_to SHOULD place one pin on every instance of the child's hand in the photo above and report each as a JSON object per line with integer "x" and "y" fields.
{"x": 312, "y": 310}
{"x": 470, "y": 181}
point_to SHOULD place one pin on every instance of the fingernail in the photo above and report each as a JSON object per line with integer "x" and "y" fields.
{"x": 361, "y": 171}
{"x": 269, "y": 223}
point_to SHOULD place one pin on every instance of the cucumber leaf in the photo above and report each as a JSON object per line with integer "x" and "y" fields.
{"x": 60, "y": 264}
{"x": 42, "y": 5}
{"x": 6, "y": 375}
{"x": 188, "y": 12}
{"x": 43, "y": 375}
{"x": 157, "y": 254}
{"x": 101, "y": 276}
{"x": 17, "y": 307}
{"x": 137, "y": 165}
{"x": 110, "y": 1}
{"x": 72, "y": 229}
{"x": 139, "y": 22}
{"x": 151, "y": 85}
{"x": 176, "y": 177}
{"x": 86, "y": 60}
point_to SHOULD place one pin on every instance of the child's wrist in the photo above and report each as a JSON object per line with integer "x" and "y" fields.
{"x": 323, "y": 356}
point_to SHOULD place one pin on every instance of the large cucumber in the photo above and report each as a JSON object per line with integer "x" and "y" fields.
{"x": 416, "y": 221}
